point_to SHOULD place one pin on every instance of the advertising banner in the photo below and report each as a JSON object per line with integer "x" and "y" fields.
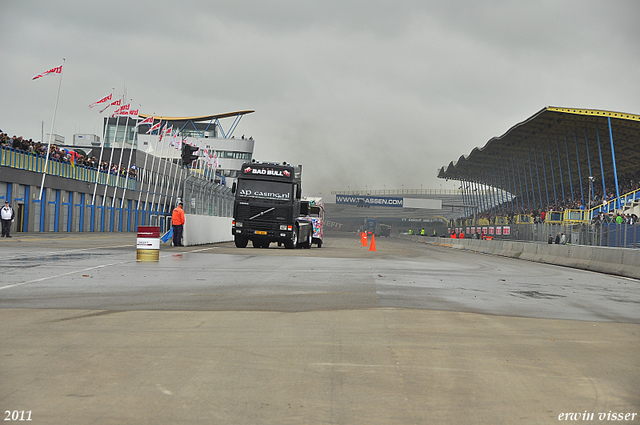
{"x": 506, "y": 230}
{"x": 368, "y": 201}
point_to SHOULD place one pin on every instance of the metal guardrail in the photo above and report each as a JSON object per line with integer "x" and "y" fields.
{"x": 204, "y": 197}
{"x": 14, "y": 158}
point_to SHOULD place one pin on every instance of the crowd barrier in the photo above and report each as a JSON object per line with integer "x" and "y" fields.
{"x": 202, "y": 229}
{"x": 618, "y": 261}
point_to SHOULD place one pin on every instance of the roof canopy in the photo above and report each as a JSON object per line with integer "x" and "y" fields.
{"x": 198, "y": 119}
{"x": 553, "y": 141}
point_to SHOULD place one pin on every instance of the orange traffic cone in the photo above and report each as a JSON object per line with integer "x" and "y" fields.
{"x": 373, "y": 243}
{"x": 363, "y": 239}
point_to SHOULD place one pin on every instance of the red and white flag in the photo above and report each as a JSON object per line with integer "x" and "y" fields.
{"x": 155, "y": 127}
{"x": 56, "y": 70}
{"x": 103, "y": 100}
{"x": 163, "y": 132}
{"x": 133, "y": 113}
{"x": 148, "y": 120}
{"x": 114, "y": 103}
{"x": 122, "y": 111}
{"x": 215, "y": 160}
{"x": 176, "y": 141}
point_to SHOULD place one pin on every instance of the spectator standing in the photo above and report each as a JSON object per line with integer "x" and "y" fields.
{"x": 6, "y": 214}
{"x": 177, "y": 219}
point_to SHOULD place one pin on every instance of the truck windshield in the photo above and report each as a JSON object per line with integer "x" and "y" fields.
{"x": 264, "y": 189}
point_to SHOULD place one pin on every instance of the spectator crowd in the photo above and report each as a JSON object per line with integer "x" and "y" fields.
{"x": 516, "y": 207}
{"x": 63, "y": 155}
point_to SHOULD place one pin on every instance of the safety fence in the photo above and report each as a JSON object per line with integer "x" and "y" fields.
{"x": 120, "y": 205}
{"x": 602, "y": 234}
{"x": 205, "y": 197}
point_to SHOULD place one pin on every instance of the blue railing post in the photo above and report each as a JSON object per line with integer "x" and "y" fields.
{"x": 604, "y": 186}
{"x": 553, "y": 176}
{"x": 566, "y": 146}
{"x": 564, "y": 196}
{"x": 526, "y": 186}
{"x": 515, "y": 186}
{"x": 575, "y": 137}
{"x": 586, "y": 142}
{"x": 533, "y": 189}
{"x": 613, "y": 159}
{"x": 546, "y": 177}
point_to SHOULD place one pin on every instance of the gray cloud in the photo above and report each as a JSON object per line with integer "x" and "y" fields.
{"x": 371, "y": 93}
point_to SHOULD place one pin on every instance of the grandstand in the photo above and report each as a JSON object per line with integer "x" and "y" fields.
{"x": 572, "y": 169}
{"x": 82, "y": 193}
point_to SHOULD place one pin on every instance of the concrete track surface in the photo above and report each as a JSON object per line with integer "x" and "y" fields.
{"x": 408, "y": 334}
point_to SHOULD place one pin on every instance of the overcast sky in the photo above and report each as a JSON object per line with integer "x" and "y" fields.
{"x": 362, "y": 93}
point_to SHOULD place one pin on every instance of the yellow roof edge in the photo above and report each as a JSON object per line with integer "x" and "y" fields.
{"x": 595, "y": 112}
{"x": 200, "y": 118}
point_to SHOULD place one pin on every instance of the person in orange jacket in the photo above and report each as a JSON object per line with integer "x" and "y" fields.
{"x": 461, "y": 235}
{"x": 177, "y": 219}
{"x": 453, "y": 234}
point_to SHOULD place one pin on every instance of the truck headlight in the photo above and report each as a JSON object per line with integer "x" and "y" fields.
{"x": 285, "y": 227}
{"x": 238, "y": 224}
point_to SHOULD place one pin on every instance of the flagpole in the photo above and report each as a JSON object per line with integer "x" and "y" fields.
{"x": 115, "y": 135}
{"x": 178, "y": 166}
{"x": 124, "y": 140}
{"x": 175, "y": 176}
{"x": 164, "y": 171}
{"x": 53, "y": 121}
{"x": 104, "y": 134}
{"x": 144, "y": 168}
{"x": 155, "y": 186}
{"x": 153, "y": 163}
{"x": 133, "y": 143}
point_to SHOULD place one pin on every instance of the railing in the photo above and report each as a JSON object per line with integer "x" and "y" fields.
{"x": 612, "y": 205}
{"x": 573, "y": 216}
{"x": 10, "y": 157}
{"x": 602, "y": 234}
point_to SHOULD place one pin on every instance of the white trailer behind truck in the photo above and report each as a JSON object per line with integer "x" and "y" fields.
{"x": 316, "y": 215}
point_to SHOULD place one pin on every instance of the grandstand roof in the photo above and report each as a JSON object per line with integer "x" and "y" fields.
{"x": 199, "y": 118}
{"x": 546, "y": 136}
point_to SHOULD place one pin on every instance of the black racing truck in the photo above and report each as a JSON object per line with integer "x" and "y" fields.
{"x": 267, "y": 207}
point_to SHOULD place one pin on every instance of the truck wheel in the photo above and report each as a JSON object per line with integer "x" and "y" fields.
{"x": 293, "y": 243}
{"x": 307, "y": 245}
{"x": 241, "y": 241}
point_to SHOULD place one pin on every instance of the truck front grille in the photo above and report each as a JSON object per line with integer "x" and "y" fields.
{"x": 270, "y": 220}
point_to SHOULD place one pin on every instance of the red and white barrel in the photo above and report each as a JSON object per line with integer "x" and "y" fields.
{"x": 148, "y": 243}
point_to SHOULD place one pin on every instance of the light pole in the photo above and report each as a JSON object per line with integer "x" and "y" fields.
{"x": 591, "y": 179}
{"x": 589, "y": 230}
